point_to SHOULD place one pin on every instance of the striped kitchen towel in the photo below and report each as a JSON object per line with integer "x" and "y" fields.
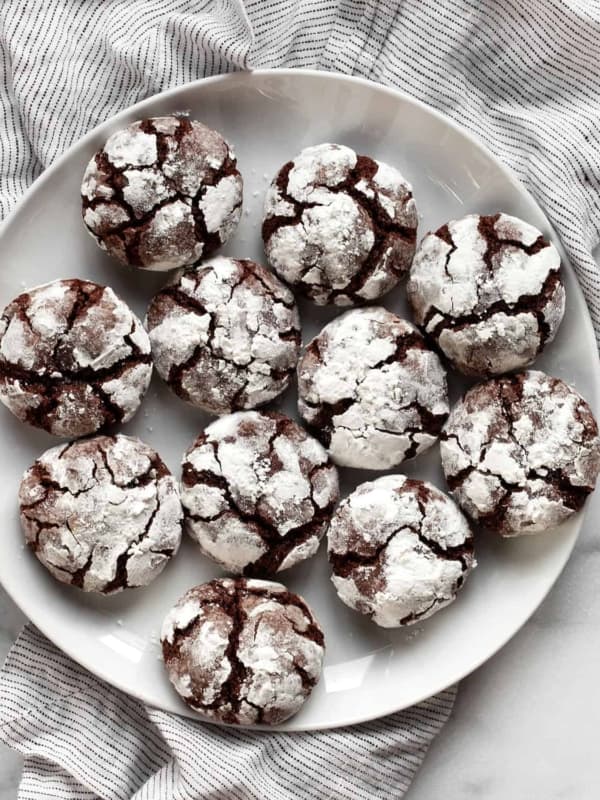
{"x": 83, "y": 740}
{"x": 522, "y": 74}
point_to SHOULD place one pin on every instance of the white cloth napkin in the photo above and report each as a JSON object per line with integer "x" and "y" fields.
{"x": 522, "y": 74}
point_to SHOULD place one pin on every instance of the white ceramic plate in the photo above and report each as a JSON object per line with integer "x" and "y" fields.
{"x": 270, "y": 116}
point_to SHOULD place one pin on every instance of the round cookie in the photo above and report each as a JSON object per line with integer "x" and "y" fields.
{"x": 258, "y": 492}
{"x": 73, "y": 358}
{"x": 225, "y": 336}
{"x": 521, "y": 453}
{"x": 102, "y": 514}
{"x": 162, "y": 193}
{"x": 243, "y": 651}
{"x": 371, "y": 389}
{"x": 339, "y": 226}
{"x": 399, "y": 549}
{"x": 488, "y": 291}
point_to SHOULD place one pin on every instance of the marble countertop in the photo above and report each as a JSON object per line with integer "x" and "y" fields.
{"x": 525, "y": 723}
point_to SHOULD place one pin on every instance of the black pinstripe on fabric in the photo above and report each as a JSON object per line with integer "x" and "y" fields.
{"x": 109, "y": 746}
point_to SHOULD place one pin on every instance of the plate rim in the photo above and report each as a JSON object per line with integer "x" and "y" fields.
{"x": 475, "y": 141}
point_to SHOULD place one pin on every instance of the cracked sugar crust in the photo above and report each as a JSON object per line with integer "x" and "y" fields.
{"x": 74, "y": 358}
{"x": 258, "y": 492}
{"x": 225, "y": 336}
{"x": 399, "y": 550}
{"x": 521, "y": 453}
{"x": 339, "y": 226}
{"x": 488, "y": 291}
{"x": 102, "y": 514}
{"x": 162, "y": 193}
{"x": 243, "y": 651}
{"x": 371, "y": 389}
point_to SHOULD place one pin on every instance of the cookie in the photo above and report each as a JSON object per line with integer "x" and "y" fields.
{"x": 521, "y": 453}
{"x": 243, "y": 651}
{"x": 488, "y": 291}
{"x": 162, "y": 193}
{"x": 258, "y": 492}
{"x": 73, "y": 358}
{"x": 399, "y": 550}
{"x": 339, "y": 226}
{"x": 225, "y": 336}
{"x": 102, "y": 514}
{"x": 372, "y": 390}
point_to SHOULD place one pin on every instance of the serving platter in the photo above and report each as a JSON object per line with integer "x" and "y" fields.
{"x": 269, "y": 116}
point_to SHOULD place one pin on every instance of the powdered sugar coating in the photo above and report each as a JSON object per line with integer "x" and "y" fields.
{"x": 73, "y": 358}
{"x": 339, "y": 226}
{"x": 102, "y": 514}
{"x": 243, "y": 651}
{"x": 400, "y": 550}
{"x": 162, "y": 193}
{"x": 258, "y": 492}
{"x": 372, "y": 390}
{"x": 225, "y": 335}
{"x": 521, "y": 453}
{"x": 488, "y": 290}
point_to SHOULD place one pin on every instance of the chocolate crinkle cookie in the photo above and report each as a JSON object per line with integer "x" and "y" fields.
{"x": 102, "y": 514}
{"x": 488, "y": 291}
{"x": 371, "y": 389}
{"x": 521, "y": 453}
{"x": 258, "y": 492}
{"x": 399, "y": 549}
{"x": 339, "y": 226}
{"x": 225, "y": 336}
{"x": 73, "y": 358}
{"x": 162, "y": 193}
{"x": 243, "y": 651}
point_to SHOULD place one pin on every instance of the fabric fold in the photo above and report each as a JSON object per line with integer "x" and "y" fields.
{"x": 83, "y": 739}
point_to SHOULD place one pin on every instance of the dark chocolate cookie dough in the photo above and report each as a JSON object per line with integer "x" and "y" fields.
{"x": 243, "y": 651}
{"x": 73, "y": 358}
{"x": 162, "y": 193}
{"x": 258, "y": 492}
{"x": 339, "y": 226}
{"x": 488, "y": 291}
{"x": 225, "y": 335}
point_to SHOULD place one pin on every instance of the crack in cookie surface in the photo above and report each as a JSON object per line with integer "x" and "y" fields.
{"x": 258, "y": 492}
{"x": 399, "y": 550}
{"x": 162, "y": 193}
{"x": 521, "y": 453}
{"x": 243, "y": 651}
{"x": 74, "y": 359}
{"x": 225, "y": 336}
{"x": 102, "y": 514}
{"x": 339, "y": 226}
{"x": 488, "y": 291}
{"x": 371, "y": 389}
